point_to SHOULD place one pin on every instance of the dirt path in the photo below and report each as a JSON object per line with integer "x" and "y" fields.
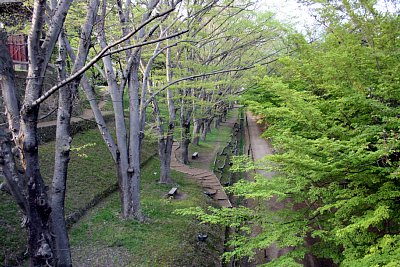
{"x": 259, "y": 148}
{"x": 206, "y": 178}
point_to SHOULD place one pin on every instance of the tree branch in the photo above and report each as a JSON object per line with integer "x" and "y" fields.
{"x": 55, "y": 26}
{"x": 203, "y": 75}
{"x": 145, "y": 43}
{"x": 101, "y": 54}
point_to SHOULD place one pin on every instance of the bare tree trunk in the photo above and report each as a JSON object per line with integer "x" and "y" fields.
{"x": 204, "y": 130}
{"x": 164, "y": 146}
{"x": 136, "y": 120}
{"x": 134, "y": 139}
{"x": 165, "y": 143}
{"x": 165, "y": 153}
{"x": 208, "y": 125}
{"x": 185, "y": 135}
{"x": 216, "y": 122}
{"x": 165, "y": 176}
{"x": 225, "y": 113}
{"x": 121, "y": 137}
{"x": 196, "y": 131}
{"x": 98, "y": 116}
{"x": 62, "y": 152}
{"x": 121, "y": 133}
{"x": 122, "y": 149}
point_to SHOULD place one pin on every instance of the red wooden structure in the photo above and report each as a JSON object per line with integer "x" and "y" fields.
{"x": 18, "y": 47}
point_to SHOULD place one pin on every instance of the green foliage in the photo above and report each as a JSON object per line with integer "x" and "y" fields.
{"x": 242, "y": 164}
{"x": 16, "y": 17}
{"x": 233, "y": 218}
{"x": 332, "y": 115}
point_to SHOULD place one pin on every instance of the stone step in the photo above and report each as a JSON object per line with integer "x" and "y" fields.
{"x": 207, "y": 179}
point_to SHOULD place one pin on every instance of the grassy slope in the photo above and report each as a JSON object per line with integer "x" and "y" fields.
{"x": 11, "y": 235}
{"x": 87, "y": 177}
{"x": 166, "y": 239}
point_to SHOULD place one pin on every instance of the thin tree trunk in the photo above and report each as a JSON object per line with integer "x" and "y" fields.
{"x": 171, "y": 124}
{"x": 185, "y": 142}
{"x": 120, "y": 126}
{"x": 216, "y": 122}
{"x": 131, "y": 76}
{"x": 204, "y": 130}
{"x": 165, "y": 161}
{"x": 196, "y": 131}
{"x": 134, "y": 139}
{"x": 165, "y": 143}
{"x": 165, "y": 153}
{"x": 121, "y": 137}
{"x": 62, "y": 152}
{"x": 98, "y": 116}
{"x": 185, "y": 118}
{"x": 122, "y": 149}
{"x": 208, "y": 125}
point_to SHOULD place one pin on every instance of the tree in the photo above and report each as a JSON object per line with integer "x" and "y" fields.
{"x": 43, "y": 209}
{"x": 332, "y": 116}
{"x": 184, "y": 71}
{"x": 42, "y": 205}
{"x": 128, "y": 152}
{"x": 224, "y": 51}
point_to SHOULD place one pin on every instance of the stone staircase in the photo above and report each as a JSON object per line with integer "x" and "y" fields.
{"x": 207, "y": 179}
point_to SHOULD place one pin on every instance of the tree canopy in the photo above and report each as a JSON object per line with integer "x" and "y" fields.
{"x": 330, "y": 108}
{"x": 331, "y": 113}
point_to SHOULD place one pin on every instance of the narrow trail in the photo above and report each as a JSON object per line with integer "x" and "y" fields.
{"x": 206, "y": 178}
{"x": 259, "y": 148}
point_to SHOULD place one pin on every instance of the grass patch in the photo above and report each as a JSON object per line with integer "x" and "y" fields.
{"x": 12, "y": 237}
{"x": 91, "y": 168}
{"x": 166, "y": 240}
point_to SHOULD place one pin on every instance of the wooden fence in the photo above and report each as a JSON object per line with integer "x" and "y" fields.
{"x": 18, "y": 47}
